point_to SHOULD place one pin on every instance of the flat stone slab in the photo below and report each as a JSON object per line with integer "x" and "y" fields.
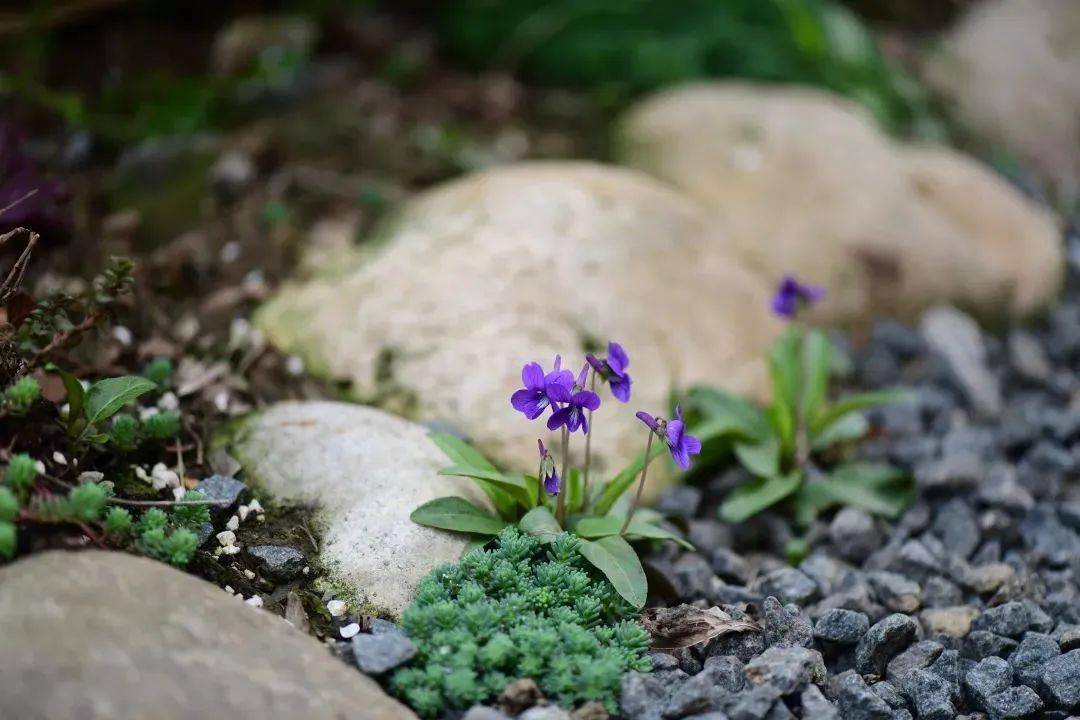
{"x": 99, "y": 635}
{"x": 366, "y": 471}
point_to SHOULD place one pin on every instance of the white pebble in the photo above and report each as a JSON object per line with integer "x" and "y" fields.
{"x": 306, "y": 570}
{"x": 261, "y": 518}
{"x": 243, "y": 511}
{"x": 254, "y": 601}
{"x": 294, "y": 365}
{"x": 230, "y": 550}
{"x": 122, "y": 335}
{"x": 162, "y": 477}
{"x": 91, "y": 476}
{"x": 336, "y": 607}
{"x": 350, "y": 630}
{"x": 226, "y": 538}
{"x": 228, "y": 589}
{"x": 148, "y": 412}
{"x": 40, "y": 467}
{"x": 169, "y": 401}
{"x": 255, "y": 507}
{"x": 249, "y": 574}
{"x": 58, "y": 457}
{"x": 179, "y": 493}
{"x": 233, "y": 523}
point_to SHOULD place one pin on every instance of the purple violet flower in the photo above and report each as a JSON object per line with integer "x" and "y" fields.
{"x": 613, "y": 370}
{"x": 791, "y": 296}
{"x": 548, "y": 476}
{"x": 537, "y": 394}
{"x": 673, "y": 432}
{"x": 575, "y": 401}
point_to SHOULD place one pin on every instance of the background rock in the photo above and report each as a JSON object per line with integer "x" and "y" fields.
{"x": 1027, "y": 99}
{"x": 483, "y": 274}
{"x": 366, "y": 471}
{"x": 110, "y": 636}
{"x": 804, "y": 182}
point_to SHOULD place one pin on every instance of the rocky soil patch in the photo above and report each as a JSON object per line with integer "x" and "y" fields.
{"x": 967, "y": 605}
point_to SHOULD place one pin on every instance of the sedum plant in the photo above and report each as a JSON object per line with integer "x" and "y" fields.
{"x": 18, "y": 398}
{"x": 785, "y": 445}
{"x": 562, "y": 498}
{"x": 528, "y": 607}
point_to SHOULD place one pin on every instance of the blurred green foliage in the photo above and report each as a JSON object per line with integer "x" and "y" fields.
{"x": 625, "y": 47}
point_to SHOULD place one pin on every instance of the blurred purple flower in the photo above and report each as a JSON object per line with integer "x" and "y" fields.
{"x": 680, "y": 443}
{"x": 575, "y": 401}
{"x": 537, "y": 395}
{"x": 547, "y": 470}
{"x": 613, "y": 370}
{"x": 791, "y": 295}
{"x": 41, "y": 211}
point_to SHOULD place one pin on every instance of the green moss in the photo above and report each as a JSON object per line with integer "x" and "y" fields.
{"x": 522, "y": 609}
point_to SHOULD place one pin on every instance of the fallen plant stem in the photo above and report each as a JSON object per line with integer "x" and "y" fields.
{"x": 14, "y": 277}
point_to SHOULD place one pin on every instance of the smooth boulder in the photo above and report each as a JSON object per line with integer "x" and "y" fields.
{"x": 1011, "y": 71}
{"x": 365, "y": 471}
{"x": 483, "y": 274}
{"x": 804, "y": 182}
{"x": 98, "y": 635}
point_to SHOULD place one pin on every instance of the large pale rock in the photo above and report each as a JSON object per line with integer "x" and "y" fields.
{"x": 483, "y": 274}
{"x": 109, "y": 636}
{"x": 1012, "y": 71}
{"x": 805, "y": 183}
{"x": 366, "y": 471}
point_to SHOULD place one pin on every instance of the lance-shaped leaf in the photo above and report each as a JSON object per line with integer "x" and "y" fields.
{"x": 755, "y": 495}
{"x": 454, "y": 513}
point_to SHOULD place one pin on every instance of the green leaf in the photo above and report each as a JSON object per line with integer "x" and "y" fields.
{"x": 520, "y": 487}
{"x": 614, "y": 557}
{"x": 862, "y": 401}
{"x": 539, "y": 522}
{"x": 762, "y": 459}
{"x": 622, "y": 482}
{"x": 852, "y": 426}
{"x": 574, "y": 490}
{"x": 75, "y": 392}
{"x": 753, "y": 496}
{"x": 817, "y": 361}
{"x": 454, "y": 513}
{"x": 460, "y": 452}
{"x": 784, "y": 366}
{"x": 596, "y": 527}
{"x": 725, "y": 414}
{"x": 878, "y": 489}
{"x": 105, "y": 397}
{"x": 464, "y": 455}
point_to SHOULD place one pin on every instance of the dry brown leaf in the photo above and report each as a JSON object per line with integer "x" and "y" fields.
{"x": 686, "y": 625}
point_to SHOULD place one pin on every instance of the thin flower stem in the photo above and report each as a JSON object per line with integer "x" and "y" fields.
{"x": 641, "y": 485}
{"x": 588, "y": 447}
{"x": 560, "y": 507}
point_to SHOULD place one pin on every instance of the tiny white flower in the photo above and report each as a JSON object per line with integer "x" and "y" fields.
{"x": 169, "y": 401}
{"x": 122, "y": 335}
{"x": 336, "y": 608}
{"x": 58, "y": 458}
{"x": 254, "y": 601}
{"x": 233, "y": 523}
{"x": 294, "y": 365}
{"x": 226, "y": 538}
{"x": 350, "y": 630}
{"x": 162, "y": 477}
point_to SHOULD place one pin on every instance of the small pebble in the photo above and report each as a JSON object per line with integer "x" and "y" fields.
{"x": 336, "y": 608}
{"x": 226, "y": 538}
{"x": 350, "y": 630}
{"x": 233, "y": 523}
{"x": 248, "y": 574}
{"x": 254, "y": 601}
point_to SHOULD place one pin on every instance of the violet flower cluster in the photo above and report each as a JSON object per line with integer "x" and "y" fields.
{"x": 572, "y": 405}
{"x": 791, "y": 296}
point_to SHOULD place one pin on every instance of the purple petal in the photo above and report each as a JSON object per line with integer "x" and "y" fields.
{"x": 584, "y": 423}
{"x": 551, "y": 484}
{"x": 617, "y": 359}
{"x": 692, "y": 444}
{"x": 560, "y": 377}
{"x": 558, "y": 363}
{"x": 559, "y": 393}
{"x": 587, "y": 399}
{"x": 647, "y": 419}
{"x": 583, "y": 375}
{"x": 675, "y": 432}
{"x": 543, "y": 450}
{"x": 678, "y": 413}
{"x": 560, "y": 417}
{"x": 620, "y": 388}
{"x": 532, "y": 376}
{"x": 529, "y": 402}
{"x": 680, "y": 456}
{"x": 784, "y": 305}
{"x": 596, "y": 364}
